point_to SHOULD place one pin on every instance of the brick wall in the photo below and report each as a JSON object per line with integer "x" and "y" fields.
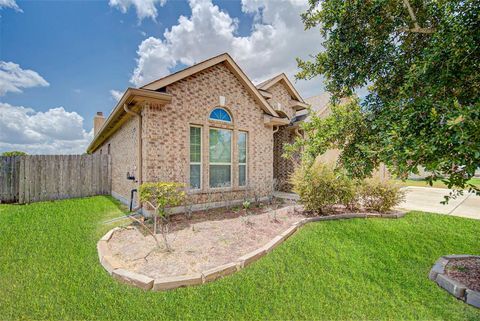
{"x": 123, "y": 151}
{"x": 281, "y": 99}
{"x": 282, "y": 168}
{"x": 166, "y": 133}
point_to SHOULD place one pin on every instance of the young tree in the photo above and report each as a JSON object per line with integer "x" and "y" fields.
{"x": 161, "y": 196}
{"x": 421, "y": 61}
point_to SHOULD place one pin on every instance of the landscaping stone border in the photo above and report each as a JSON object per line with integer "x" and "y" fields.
{"x": 458, "y": 290}
{"x": 114, "y": 267}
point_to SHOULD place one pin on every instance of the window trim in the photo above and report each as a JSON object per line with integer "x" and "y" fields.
{"x": 220, "y": 120}
{"x": 246, "y": 158}
{"x": 231, "y": 164}
{"x": 195, "y": 163}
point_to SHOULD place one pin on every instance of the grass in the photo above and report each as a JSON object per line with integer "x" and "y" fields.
{"x": 439, "y": 184}
{"x": 355, "y": 269}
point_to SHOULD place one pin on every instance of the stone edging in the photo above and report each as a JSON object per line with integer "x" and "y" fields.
{"x": 115, "y": 269}
{"x": 458, "y": 290}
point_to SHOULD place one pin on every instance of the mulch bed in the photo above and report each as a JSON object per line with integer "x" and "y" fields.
{"x": 465, "y": 271}
{"x": 182, "y": 220}
{"x": 205, "y": 241}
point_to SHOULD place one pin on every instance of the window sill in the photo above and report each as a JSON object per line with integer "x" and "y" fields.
{"x": 217, "y": 190}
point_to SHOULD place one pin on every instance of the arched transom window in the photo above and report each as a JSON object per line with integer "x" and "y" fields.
{"x": 220, "y": 114}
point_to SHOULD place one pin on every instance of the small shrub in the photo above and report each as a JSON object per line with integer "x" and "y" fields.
{"x": 160, "y": 196}
{"x": 380, "y": 196}
{"x": 320, "y": 186}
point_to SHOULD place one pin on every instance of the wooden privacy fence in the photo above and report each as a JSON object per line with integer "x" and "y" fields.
{"x": 26, "y": 179}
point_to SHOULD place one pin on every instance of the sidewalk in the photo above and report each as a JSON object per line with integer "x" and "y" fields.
{"x": 427, "y": 199}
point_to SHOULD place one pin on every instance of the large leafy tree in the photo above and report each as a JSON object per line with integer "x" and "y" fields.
{"x": 420, "y": 61}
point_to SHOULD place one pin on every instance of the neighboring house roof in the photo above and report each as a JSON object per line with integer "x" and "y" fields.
{"x": 319, "y": 103}
{"x": 283, "y": 78}
{"x": 230, "y": 63}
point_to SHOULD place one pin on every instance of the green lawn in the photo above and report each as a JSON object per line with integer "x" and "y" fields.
{"x": 423, "y": 183}
{"x": 353, "y": 269}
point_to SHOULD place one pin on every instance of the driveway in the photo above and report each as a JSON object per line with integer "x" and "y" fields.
{"x": 427, "y": 199}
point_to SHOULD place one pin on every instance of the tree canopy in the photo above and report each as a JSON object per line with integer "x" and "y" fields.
{"x": 14, "y": 153}
{"x": 420, "y": 61}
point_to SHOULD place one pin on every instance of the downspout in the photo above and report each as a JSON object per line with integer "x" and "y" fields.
{"x": 275, "y": 129}
{"x": 139, "y": 147}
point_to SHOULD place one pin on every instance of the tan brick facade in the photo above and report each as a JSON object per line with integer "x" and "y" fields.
{"x": 123, "y": 151}
{"x": 281, "y": 99}
{"x": 165, "y": 133}
{"x": 282, "y": 168}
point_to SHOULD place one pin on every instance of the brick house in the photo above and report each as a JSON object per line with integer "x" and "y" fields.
{"x": 207, "y": 126}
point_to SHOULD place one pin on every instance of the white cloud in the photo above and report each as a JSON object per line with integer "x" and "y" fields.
{"x": 13, "y": 78}
{"x": 144, "y": 8}
{"x": 116, "y": 95}
{"x": 277, "y": 37}
{"x": 10, "y": 4}
{"x": 55, "y": 131}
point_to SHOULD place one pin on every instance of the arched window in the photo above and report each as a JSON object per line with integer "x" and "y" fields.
{"x": 221, "y": 115}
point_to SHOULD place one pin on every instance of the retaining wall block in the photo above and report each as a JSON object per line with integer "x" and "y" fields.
{"x": 109, "y": 234}
{"x": 102, "y": 249}
{"x": 173, "y": 282}
{"x": 287, "y": 233}
{"x": 110, "y": 263}
{"x": 473, "y": 298}
{"x": 438, "y": 268}
{"x": 219, "y": 271}
{"x": 132, "y": 278}
{"x": 452, "y": 286}
{"x": 251, "y": 257}
{"x": 459, "y": 256}
{"x": 276, "y": 241}
{"x": 371, "y": 215}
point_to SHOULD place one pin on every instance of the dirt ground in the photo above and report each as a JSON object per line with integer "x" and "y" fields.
{"x": 203, "y": 242}
{"x": 465, "y": 271}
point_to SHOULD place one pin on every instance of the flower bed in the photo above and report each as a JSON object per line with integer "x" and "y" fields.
{"x": 460, "y": 276}
{"x": 204, "y": 251}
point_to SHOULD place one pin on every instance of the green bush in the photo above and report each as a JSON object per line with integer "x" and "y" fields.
{"x": 321, "y": 186}
{"x": 380, "y": 196}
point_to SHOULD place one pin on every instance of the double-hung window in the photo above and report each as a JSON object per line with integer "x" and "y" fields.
{"x": 220, "y": 141}
{"x": 195, "y": 157}
{"x": 242, "y": 158}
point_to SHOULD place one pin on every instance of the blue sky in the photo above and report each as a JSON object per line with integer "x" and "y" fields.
{"x": 75, "y": 54}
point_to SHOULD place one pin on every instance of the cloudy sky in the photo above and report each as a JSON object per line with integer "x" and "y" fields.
{"x": 62, "y": 61}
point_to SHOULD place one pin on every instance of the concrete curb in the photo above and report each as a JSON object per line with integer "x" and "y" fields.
{"x": 114, "y": 267}
{"x": 455, "y": 288}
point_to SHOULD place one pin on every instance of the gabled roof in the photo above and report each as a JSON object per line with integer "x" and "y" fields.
{"x": 265, "y": 85}
{"x": 231, "y": 65}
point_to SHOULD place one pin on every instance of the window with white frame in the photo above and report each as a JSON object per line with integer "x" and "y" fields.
{"x": 242, "y": 158}
{"x": 195, "y": 157}
{"x": 220, "y": 163}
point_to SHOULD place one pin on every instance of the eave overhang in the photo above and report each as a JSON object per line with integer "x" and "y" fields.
{"x": 275, "y": 121}
{"x": 135, "y": 99}
{"x": 298, "y": 105}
